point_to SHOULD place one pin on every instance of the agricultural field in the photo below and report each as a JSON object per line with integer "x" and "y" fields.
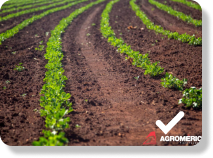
{"x": 99, "y": 72}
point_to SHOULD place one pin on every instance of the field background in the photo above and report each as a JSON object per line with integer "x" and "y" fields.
{"x": 101, "y": 68}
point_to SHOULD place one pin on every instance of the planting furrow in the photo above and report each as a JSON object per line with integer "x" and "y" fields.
{"x": 104, "y": 100}
{"x": 17, "y": 28}
{"x": 33, "y": 10}
{"x": 179, "y": 15}
{"x": 98, "y": 118}
{"x": 55, "y": 101}
{"x": 27, "y": 126}
{"x": 190, "y": 4}
{"x": 185, "y": 38}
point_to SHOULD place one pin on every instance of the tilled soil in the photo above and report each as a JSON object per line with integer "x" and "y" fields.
{"x": 110, "y": 105}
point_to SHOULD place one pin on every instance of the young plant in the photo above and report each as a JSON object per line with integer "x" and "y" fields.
{"x": 14, "y": 53}
{"x": 23, "y": 95}
{"x": 192, "y": 97}
{"x": 19, "y": 67}
{"x": 172, "y": 82}
{"x": 93, "y": 24}
{"x": 7, "y": 82}
{"x": 136, "y": 78}
{"x": 41, "y": 47}
{"x": 88, "y": 34}
{"x": 77, "y": 126}
{"x": 47, "y": 33}
{"x": 51, "y": 139}
{"x": 153, "y": 69}
{"x": 4, "y": 88}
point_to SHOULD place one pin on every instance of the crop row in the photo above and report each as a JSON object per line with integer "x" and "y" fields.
{"x": 15, "y": 30}
{"x": 27, "y": 6}
{"x": 55, "y": 101}
{"x": 190, "y": 4}
{"x": 15, "y": 3}
{"x": 185, "y": 38}
{"x": 139, "y": 60}
{"x": 32, "y": 10}
{"x": 180, "y": 15}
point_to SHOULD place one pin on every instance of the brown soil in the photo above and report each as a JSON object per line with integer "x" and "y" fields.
{"x": 110, "y": 105}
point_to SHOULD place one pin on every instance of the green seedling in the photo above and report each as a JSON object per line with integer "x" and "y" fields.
{"x": 41, "y": 47}
{"x": 192, "y": 97}
{"x": 35, "y": 110}
{"x": 14, "y": 53}
{"x": 23, "y": 95}
{"x": 77, "y": 126}
{"x": 88, "y": 34}
{"x": 172, "y": 82}
{"x": 40, "y": 42}
{"x": 47, "y": 33}
{"x": 4, "y": 88}
{"x": 93, "y": 24}
{"x": 19, "y": 67}
{"x": 7, "y": 82}
{"x": 86, "y": 100}
{"x": 153, "y": 69}
{"x": 136, "y": 78}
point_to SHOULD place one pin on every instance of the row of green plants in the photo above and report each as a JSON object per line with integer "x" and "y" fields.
{"x": 10, "y": 4}
{"x": 33, "y": 10}
{"x": 192, "y": 97}
{"x": 139, "y": 60}
{"x": 180, "y": 15}
{"x": 15, "y": 30}
{"x": 15, "y": 3}
{"x": 185, "y": 38}
{"x": 27, "y": 6}
{"x": 55, "y": 102}
{"x": 189, "y": 4}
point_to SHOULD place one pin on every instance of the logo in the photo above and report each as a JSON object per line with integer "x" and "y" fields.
{"x": 171, "y": 124}
{"x": 150, "y": 139}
